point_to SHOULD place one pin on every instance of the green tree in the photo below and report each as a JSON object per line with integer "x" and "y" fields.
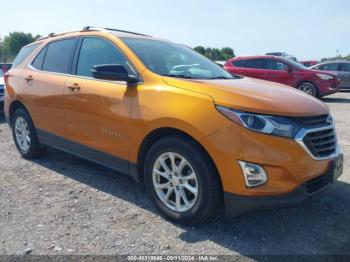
{"x": 216, "y": 54}
{"x": 227, "y": 53}
{"x": 14, "y": 42}
{"x": 200, "y": 49}
{"x": 208, "y": 52}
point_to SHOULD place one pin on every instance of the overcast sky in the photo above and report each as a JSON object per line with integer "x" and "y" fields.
{"x": 307, "y": 29}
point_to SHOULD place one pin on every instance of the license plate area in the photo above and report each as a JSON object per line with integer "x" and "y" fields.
{"x": 337, "y": 167}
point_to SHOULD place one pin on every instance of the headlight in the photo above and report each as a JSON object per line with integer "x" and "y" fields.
{"x": 325, "y": 76}
{"x": 273, "y": 125}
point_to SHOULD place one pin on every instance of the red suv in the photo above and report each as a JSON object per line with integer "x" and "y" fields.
{"x": 285, "y": 71}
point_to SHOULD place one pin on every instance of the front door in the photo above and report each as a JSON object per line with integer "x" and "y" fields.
{"x": 98, "y": 111}
{"x": 277, "y": 71}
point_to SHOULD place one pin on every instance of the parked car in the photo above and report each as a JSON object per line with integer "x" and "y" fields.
{"x": 4, "y": 67}
{"x": 285, "y": 71}
{"x": 309, "y": 63}
{"x": 198, "y": 137}
{"x": 2, "y": 87}
{"x": 341, "y": 68}
{"x": 282, "y": 54}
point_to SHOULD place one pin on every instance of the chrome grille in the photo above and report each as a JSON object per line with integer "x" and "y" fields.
{"x": 321, "y": 143}
{"x": 312, "y": 120}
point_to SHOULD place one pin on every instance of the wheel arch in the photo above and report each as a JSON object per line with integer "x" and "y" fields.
{"x": 15, "y": 105}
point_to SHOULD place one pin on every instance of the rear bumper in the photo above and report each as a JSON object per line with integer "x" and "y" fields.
{"x": 237, "y": 204}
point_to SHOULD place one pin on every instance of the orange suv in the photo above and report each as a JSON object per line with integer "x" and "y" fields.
{"x": 198, "y": 137}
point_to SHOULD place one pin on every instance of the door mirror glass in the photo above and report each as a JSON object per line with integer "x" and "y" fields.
{"x": 113, "y": 72}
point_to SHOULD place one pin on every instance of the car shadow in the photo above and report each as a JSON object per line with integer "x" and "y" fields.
{"x": 336, "y": 100}
{"x": 2, "y": 118}
{"x": 320, "y": 225}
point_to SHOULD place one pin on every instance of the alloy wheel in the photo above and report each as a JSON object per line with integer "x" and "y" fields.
{"x": 175, "y": 182}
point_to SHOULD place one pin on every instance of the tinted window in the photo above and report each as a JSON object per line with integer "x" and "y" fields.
{"x": 175, "y": 60}
{"x": 345, "y": 67}
{"x": 58, "y": 56}
{"x": 254, "y": 63}
{"x": 271, "y": 64}
{"x": 23, "y": 54}
{"x": 96, "y": 51}
{"x": 38, "y": 61}
{"x": 330, "y": 67}
{"x": 238, "y": 63}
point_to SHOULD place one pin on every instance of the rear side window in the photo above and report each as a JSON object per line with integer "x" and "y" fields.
{"x": 23, "y": 54}
{"x": 330, "y": 67}
{"x": 271, "y": 64}
{"x": 38, "y": 61}
{"x": 58, "y": 56}
{"x": 97, "y": 51}
{"x": 345, "y": 67}
{"x": 238, "y": 63}
{"x": 254, "y": 63}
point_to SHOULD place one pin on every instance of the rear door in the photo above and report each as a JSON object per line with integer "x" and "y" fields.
{"x": 45, "y": 81}
{"x": 277, "y": 71}
{"x": 345, "y": 75}
{"x": 252, "y": 68}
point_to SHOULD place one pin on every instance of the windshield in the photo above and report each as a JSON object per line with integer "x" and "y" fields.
{"x": 296, "y": 64}
{"x": 175, "y": 60}
{"x": 1, "y": 73}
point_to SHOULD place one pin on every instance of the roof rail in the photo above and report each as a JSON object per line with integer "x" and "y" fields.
{"x": 90, "y": 28}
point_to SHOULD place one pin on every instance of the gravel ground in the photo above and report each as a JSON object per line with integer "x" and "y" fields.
{"x": 60, "y": 204}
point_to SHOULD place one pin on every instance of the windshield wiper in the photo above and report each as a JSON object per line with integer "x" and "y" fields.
{"x": 179, "y": 76}
{"x": 220, "y": 77}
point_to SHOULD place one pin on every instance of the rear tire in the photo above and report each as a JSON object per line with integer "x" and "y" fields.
{"x": 308, "y": 88}
{"x": 24, "y": 135}
{"x": 182, "y": 181}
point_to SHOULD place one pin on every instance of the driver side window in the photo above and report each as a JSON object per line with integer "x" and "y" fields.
{"x": 97, "y": 51}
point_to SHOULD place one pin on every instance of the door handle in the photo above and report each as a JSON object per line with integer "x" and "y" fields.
{"x": 29, "y": 78}
{"x": 74, "y": 87}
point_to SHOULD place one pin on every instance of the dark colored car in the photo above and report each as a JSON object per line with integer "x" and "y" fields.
{"x": 309, "y": 63}
{"x": 341, "y": 68}
{"x": 285, "y": 71}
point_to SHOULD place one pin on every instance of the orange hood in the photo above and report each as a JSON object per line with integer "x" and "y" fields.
{"x": 253, "y": 95}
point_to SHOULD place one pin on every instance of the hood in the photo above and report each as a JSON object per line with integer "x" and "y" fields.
{"x": 315, "y": 71}
{"x": 253, "y": 95}
{"x": 2, "y": 81}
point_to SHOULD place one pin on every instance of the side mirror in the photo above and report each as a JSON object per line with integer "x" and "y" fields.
{"x": 113, "y": 72}
{"x": 288, "y": 69}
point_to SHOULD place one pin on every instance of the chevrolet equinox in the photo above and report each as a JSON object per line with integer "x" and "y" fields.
{"x": 199, "y": 138}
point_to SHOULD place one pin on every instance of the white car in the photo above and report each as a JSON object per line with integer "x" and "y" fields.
{"x": 2, "y": 89}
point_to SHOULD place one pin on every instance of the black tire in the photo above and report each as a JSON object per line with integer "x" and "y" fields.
{"x": 35, "y": 148}
{"x": 209, "y": 196}
{"x": 308, "y": 88}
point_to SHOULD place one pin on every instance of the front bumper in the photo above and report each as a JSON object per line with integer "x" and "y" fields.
{"x": 328, "y": 87}
{"x": 238, "y": 204}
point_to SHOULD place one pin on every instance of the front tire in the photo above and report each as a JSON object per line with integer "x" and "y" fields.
{"x": 182, "y": 181}
{"x": 308, "y": 88}
{"x": 24, "y": 135}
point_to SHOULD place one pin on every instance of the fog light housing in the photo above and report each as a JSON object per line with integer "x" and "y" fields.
{"x": 254, "y": 175}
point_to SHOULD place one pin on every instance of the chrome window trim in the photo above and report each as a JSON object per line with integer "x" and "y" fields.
{"x": 82, "y": 77}
{"x": 30, "y": 66}
{"x": 304, "y": 131}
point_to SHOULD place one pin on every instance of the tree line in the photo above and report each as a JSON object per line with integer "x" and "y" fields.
{"x": 12, "y": 43}
{"x": 216, "y": 54}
